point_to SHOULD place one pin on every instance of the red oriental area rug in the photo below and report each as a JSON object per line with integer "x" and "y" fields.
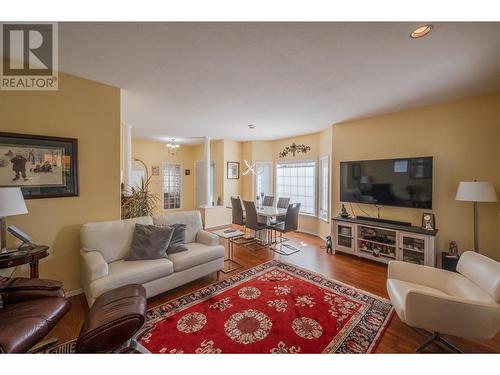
{"x": 272, "y": 308}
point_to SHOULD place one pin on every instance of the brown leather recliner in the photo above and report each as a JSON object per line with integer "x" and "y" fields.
{"x": 29, "y": 309}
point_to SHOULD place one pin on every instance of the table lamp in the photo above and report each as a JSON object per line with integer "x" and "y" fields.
{"x": 11, "y": 204}
{"x": 476, "y": 191}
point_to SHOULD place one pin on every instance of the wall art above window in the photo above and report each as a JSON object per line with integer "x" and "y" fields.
{"x": 294, "y": 149}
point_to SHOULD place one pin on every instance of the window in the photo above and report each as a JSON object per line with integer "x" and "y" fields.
{"x": 171, "y": 186}
{"x": 263, "y": 179}
{"x": 297, "y": 181}
{"x": 324, "y": 188}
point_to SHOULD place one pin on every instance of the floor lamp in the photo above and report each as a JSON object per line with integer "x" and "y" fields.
{"x": 476, "y": 191}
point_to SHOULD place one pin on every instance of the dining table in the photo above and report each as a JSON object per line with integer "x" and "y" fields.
{"x": 265, "y": 215}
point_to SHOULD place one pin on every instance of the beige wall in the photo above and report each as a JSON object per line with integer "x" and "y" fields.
{"x": 321, "y": 145}
{"x": 464, "y": 139}
{"x": 155, "y": 153}
{"x": 90, "y": 112}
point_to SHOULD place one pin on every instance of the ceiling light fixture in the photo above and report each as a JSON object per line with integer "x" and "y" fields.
{"x": 421, "y": 31}
{"x": 172, "y": 147}
{"x": 251, "y": 126}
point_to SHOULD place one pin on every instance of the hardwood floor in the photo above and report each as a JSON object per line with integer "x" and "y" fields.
{"x": 360, "y": 273}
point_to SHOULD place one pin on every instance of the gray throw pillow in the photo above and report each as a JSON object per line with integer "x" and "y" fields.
{"x": 149, "y": 242}
{"x": 178, "y": 240}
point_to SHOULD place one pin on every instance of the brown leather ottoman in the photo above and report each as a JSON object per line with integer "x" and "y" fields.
{"x": 113, "y": 319}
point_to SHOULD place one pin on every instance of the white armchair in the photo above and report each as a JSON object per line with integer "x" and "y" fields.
{"x": 464, "y": 304}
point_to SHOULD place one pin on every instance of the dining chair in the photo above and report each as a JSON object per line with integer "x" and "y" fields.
{"x": 238, "y": 218}
{"x": 252, "y": 221}
{"x": 283, "y": 202}
{"x": 290, "y": 224}
{"x": 268, "y": 201}
{"x": 237, "y": 211}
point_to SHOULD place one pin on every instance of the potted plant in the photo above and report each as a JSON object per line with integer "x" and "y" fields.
{"x": 140, "y": 202}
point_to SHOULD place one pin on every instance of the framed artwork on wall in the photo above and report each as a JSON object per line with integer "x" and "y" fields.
{"x": 233, "y": 170}
{"x": 42, "y": 166}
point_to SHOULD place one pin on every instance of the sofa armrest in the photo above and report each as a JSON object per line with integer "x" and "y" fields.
{"x": 452, "y": 315}
{"x": 207, "y": 238}
{"x": 418, "y": 274}
{"x": 93, "y": 266}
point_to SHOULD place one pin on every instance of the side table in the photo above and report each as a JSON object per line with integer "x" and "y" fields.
{"x": 449, "y": 263}
{"x": 229, "y": 235}
{"x": 26, "y": 255}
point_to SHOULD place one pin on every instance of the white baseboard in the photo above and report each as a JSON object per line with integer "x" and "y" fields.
{"x": 74, "y": 292}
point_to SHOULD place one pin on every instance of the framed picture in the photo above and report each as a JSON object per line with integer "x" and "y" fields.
{"x": 42, "y": 166}
{"x": 233, "y": 170}
{"x": 428, "y": 221}
{"x": 187, "y": 172}
{"x": 155, "y": 170}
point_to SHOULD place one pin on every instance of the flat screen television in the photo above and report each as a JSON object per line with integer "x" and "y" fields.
{"x": 405, "y": 182}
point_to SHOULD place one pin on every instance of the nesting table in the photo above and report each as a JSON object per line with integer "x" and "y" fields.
{"x": 229, "y": 235}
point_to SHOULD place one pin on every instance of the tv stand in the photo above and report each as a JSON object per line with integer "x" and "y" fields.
{"x": 386, "y": 221}
{"x": 384, "y": 240}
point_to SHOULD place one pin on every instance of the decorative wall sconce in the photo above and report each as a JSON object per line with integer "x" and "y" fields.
{"x": 294, "y": 148}
{"x": 250, "y": 168}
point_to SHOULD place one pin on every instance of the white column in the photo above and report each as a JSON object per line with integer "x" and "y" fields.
{"x": 127, "y": 155}
{"x": 208, "y": 200}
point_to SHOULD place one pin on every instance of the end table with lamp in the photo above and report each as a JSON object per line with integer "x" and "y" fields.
{"x": 12, "y": 204}
{"x": 476, "y": 191}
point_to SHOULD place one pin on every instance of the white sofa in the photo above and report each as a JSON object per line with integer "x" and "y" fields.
{"x": 105, "y": 244}
{"x": 464, "y": 303}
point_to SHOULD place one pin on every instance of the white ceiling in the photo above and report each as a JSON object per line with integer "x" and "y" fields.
{"x": 187, "y": 80}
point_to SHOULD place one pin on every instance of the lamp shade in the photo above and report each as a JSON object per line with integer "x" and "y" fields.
{"x": 476, "y": 191}
{"x": 12, "y": 202}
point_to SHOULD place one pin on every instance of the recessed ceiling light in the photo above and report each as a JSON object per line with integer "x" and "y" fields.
{"x": 421, "y": 31}
{"x": 251, "y": 126}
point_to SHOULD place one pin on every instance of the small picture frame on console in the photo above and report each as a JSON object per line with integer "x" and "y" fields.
{"x": 428, "y": 221}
